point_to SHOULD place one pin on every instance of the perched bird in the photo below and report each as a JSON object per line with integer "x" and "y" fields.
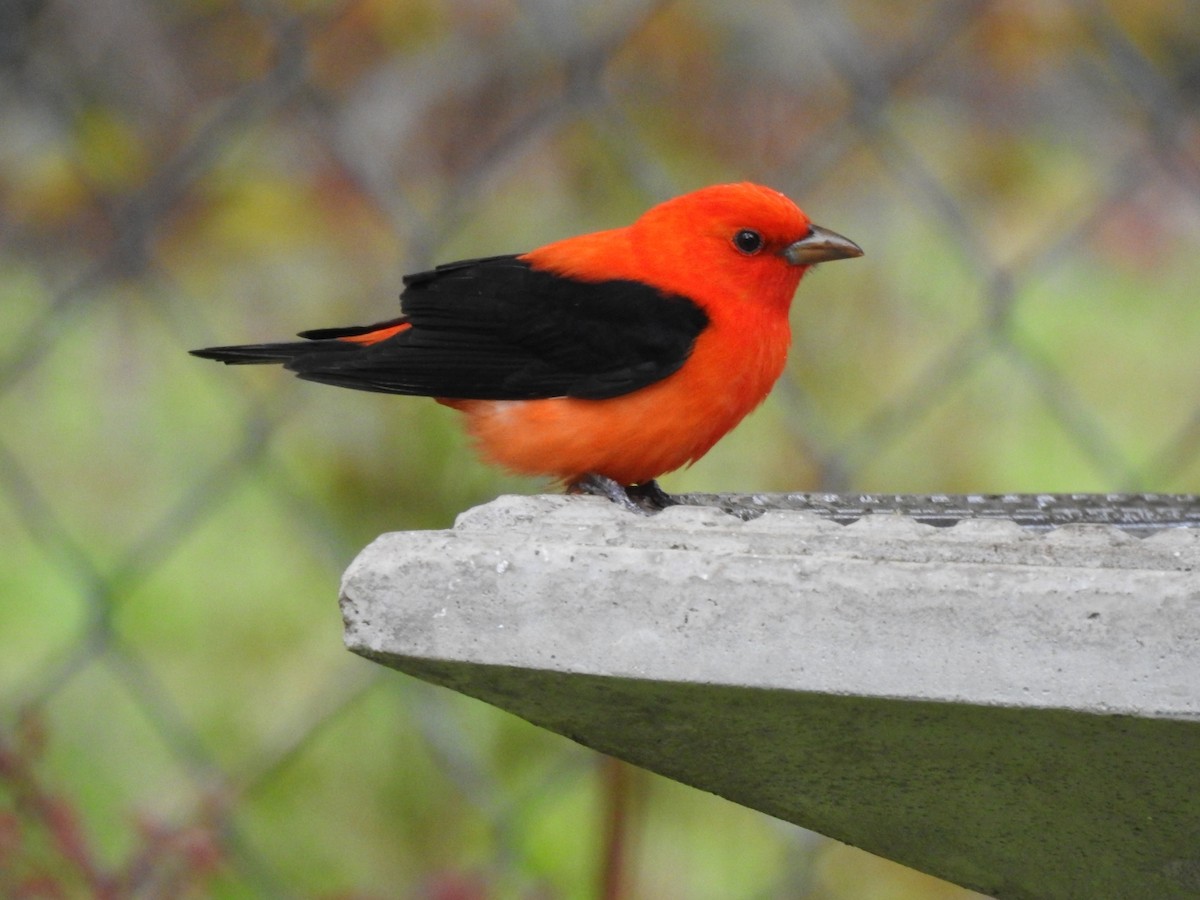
{"x": 603, "y": 360}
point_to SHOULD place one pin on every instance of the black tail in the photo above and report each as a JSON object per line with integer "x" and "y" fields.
{"x": 247, "y": 354}
{"x": 318, "y": 341}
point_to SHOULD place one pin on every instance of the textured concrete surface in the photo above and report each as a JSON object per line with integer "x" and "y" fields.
{"x": 1015, "y": 711}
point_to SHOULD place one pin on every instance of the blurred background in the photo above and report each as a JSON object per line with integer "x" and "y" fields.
{"x": 177, "y": 714}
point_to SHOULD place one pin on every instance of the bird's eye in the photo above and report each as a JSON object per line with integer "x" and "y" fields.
{"x": 748, "y": 241}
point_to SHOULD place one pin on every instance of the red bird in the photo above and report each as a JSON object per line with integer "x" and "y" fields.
{"x": 602, "y": 360}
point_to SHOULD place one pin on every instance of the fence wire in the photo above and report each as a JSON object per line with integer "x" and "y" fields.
{"x": 179, "y": 718}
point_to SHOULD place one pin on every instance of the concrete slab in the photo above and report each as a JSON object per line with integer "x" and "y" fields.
{"x": 1012, "y": 710}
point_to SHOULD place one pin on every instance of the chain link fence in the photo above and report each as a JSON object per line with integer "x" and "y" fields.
{"x": 179, "y": 718}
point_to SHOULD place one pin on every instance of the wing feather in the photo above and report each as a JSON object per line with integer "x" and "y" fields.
{"x": 498, "y": 328}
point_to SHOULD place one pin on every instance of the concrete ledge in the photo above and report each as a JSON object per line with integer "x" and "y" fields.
{"x": 1015, "y": 711}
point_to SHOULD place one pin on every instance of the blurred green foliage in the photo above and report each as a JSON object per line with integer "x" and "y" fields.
{"x": 1025, "y": 179}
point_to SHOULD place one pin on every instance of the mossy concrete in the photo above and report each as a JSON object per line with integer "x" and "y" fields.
{"x": 1018, "y": 712}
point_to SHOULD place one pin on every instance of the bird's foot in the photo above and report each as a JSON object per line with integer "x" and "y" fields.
{"x": 603, "y": 486}
{"x": 651, "y": 496}
{"x": 645, "y": 498}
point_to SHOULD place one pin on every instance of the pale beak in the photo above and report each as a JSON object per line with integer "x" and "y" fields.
{"x": 820, "y": 245}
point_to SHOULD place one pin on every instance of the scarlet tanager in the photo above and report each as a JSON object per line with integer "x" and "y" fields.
{"x": 602, "y": 360}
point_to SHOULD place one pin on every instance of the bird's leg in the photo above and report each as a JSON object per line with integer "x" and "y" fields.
{"x": 645, "y": 498}
{"x": 651, "y": 495}
{"x": 603, "y": 486}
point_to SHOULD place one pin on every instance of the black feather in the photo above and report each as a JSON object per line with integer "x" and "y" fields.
{"x": 316, "y": 341}
{"x": 498, "y": 329}
{"x": 323, "y": 334}
{"x": 249, "y": 354}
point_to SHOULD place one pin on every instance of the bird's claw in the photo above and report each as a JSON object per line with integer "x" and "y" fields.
{"x": 648, "y": 494}
{"x": 644, "y": 499}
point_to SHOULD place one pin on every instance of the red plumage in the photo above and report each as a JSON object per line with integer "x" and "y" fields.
{"x": 623, "y": 354}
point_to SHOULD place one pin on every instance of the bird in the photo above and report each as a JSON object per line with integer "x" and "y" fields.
{"x": 601, "y": 361}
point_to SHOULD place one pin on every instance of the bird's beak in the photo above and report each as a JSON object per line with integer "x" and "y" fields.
{"x": 820, "y": 245}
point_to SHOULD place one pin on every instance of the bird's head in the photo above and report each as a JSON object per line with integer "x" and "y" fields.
{"x": 734, "y": 241}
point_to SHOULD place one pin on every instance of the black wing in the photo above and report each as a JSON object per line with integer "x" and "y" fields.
{"x": 499, "y": 329}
